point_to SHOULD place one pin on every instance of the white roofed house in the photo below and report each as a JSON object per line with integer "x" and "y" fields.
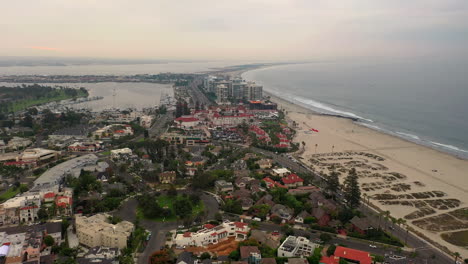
{"x": 294, "y": 246}
{"x": 117, "y": 153}
{"x": 223, "y": 186}
{"x": 281, "y": 172}
{"x": 211, "y": 234}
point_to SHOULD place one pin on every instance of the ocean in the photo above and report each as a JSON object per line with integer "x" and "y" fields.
{"x": 424, "y": 101}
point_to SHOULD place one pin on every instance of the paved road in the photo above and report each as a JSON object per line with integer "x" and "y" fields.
{"x": 196, "y": 94}
{"x": 159, "y": 126}
{"x": 159, "y": 229}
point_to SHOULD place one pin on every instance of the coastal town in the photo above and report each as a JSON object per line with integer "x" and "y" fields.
{"x": 215, "y": 173}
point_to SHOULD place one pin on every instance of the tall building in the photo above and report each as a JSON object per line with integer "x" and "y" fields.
{"x": 253, "y": 91}
{"x": 237, "y": 91}
{"x": 222, "y": 93}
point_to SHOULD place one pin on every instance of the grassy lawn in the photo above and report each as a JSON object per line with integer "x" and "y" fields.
{"x": 168, "y": 202}
{"x": 9, "y": 194}
{"x": 106, "y": 153}
{"x": 24, "y": 104}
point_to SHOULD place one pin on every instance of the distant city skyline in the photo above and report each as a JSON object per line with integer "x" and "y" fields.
{"x": 234, "y": 30}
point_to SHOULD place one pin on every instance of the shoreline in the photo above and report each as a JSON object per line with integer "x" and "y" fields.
{"x": 445, "y": 148}
{"x": 418, "y": 183}
{"x": 424, "y": 169}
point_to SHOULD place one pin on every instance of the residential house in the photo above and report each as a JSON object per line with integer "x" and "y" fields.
{"x": 294, "y": 246}
{"x": 247, "y": 251}
{"x": 266, "y": 199}
{"x": 292, "y": 180}
{"x": 213, "y": 234}
{"x": 282, "y": 212}
{"x": 301, "y": 216}
{"x": 353, "y": 255}
{"x": 321, "y": 215}
{"x": 167, "y": 177}
{"x": 281, "y": 172}
{"x": 223, "y": 186}
{"x": 272, "y": 184}
{"x": 186, "y": 258}
{"x": 246, "y": 203}
{"x": 265, "y": 163}
{"x": 361, "y": 225}
{"x": 264, "y": 238}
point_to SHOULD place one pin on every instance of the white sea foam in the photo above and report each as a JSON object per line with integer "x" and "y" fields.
{"x": 329, "y": 109}
{"x": 449, "y": 147}
{"x": 408, "y": 135}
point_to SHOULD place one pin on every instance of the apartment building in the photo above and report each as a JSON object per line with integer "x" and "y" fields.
{"x": 95, "y": 231}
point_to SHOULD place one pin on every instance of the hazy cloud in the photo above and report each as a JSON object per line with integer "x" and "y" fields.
{"x": 241, "y": 29}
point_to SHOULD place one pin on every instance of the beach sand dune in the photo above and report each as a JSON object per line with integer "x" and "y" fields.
{"x": 414, "y": 182}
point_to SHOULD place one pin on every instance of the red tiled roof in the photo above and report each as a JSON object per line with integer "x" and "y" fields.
{"x": 187, "y": 234}
{"x": 240, "y": 224}
{"x": 291, "y": 179}
{"x": 49, "y": 195}
{"x": 28, "y": 207}
{"x": 330, "y": 260}
{"x": 209, "y": 226}
{"x": 186, "y": 119}
{"x": 353, "y": 254}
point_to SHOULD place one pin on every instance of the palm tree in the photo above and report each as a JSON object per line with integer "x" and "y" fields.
{"x": 303, "y": 144}
{"x": 456, "y": 255}
{"x": 316, "y": 145}
{"x": 387, "y": 216}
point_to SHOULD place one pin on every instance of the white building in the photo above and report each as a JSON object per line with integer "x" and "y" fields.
{"x": 253, "y": 91}
{"x": 38, "y": 154}
{"x": 222, "y": 93}
{"x": 223, "y": 186}
{"x": 96, "y": 231}
{"x": 296, "y": 247}
{"x": 117, "y": 153}
{"x": 146, "y": 121}
{"x": 187, "y": 121}
{"x": 55, "y": 175}
{"x": 211, "y": 234}
{"x": 18, "y": 143}
{"x": 281, "y": 172}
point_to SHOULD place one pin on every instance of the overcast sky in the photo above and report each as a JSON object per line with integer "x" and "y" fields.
{"x": 233, "y": 29}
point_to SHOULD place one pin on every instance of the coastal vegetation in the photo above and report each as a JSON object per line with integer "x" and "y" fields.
{"x": 22, "y": 97}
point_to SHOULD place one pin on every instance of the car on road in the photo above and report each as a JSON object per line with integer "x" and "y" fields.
{"x": 372, "y": 246}
{"x": 181, "y": 227}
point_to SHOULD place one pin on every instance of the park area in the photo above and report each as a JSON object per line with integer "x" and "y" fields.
{"x": 168, "y": 207}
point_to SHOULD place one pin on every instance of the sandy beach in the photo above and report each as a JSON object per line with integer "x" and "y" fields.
{"x": 425, "y": 187}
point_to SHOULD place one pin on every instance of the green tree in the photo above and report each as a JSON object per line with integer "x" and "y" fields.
{"x": 333, "y": 182}
{"x": 182, "y": 208}
{"x": 352, "y": 192}
{"x": 205, "y": 255}
{"x": 331, "y": 250}
{"x": 49, "y": 241}
{"x": 234, "y": 255}
{"x": 325, "y": 237}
